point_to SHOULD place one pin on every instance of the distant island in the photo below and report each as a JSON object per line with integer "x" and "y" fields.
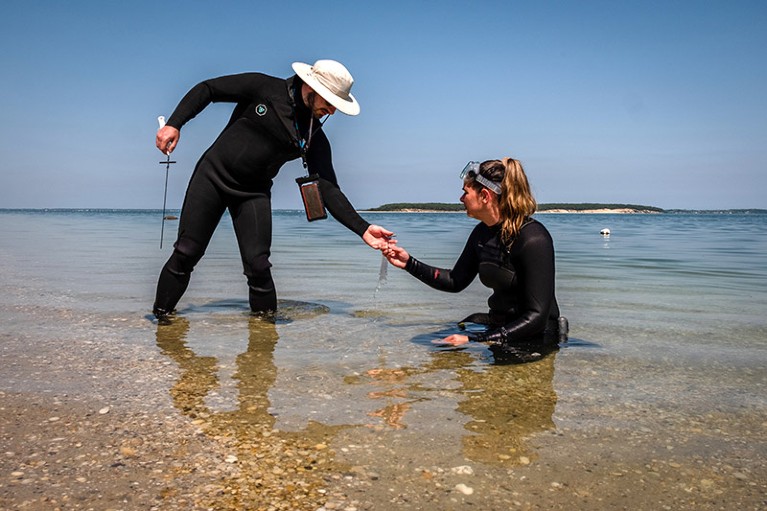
{"x": 442, "y": 207}
{"x": 555, "y": 207}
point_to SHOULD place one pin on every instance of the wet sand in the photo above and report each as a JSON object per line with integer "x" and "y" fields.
{"x": 117, "y": 413}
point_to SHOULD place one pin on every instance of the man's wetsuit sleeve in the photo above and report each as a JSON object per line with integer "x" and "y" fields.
{"x": 320, "y": 161}
{"x": 535, "y": 268}
{"x": 230, "y": 88}
{"x": 454, "y": 280}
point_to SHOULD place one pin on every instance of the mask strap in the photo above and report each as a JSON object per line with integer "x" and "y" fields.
{"x": 490, "y": 185}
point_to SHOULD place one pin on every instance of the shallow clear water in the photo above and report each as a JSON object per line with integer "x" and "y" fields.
{"x": 666, "y": 300}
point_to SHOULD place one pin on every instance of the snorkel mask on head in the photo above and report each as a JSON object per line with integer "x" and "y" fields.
{"x": 471, "y": 171}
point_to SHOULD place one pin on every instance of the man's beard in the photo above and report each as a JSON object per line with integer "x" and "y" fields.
{"x": 312, "y": 99}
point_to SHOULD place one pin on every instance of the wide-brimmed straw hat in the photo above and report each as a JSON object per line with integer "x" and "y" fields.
{"x": 332, "y": 81}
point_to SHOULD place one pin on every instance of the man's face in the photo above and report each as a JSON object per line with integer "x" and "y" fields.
{"x": 319, "y": 106}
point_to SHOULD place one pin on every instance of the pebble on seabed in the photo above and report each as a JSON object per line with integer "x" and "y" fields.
{"x": 466, "y": 490}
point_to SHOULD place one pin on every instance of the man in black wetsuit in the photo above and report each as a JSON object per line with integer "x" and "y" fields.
{"x": 275, "y": 120}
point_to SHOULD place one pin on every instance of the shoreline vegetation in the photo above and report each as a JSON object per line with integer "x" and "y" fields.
{"x": 585, "y": 207}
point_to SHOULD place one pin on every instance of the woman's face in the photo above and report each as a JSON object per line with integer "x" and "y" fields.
{"x": 472, "y": 200}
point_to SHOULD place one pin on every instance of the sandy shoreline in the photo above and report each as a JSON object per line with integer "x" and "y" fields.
{"x": 601, "y": 211}
{"x": 88, "y": 428}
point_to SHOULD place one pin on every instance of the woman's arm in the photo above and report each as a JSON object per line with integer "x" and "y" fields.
{"x": 455, "y": 280}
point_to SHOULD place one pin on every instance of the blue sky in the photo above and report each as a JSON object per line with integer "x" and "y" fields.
{"x": 662, "y": 103}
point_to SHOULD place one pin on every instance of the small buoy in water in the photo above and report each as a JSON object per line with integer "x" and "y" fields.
{"x": 605, "y": 232}
{"x": 171, "y": 217}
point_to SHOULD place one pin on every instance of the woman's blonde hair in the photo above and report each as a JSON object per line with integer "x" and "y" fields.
{"x": 516, "y": 201}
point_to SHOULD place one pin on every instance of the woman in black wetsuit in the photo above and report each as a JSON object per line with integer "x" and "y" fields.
{"x": 512, "y": 253}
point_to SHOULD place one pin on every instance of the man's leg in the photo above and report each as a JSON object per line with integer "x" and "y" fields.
{"x": 253, "y": 226}
{"x": 200, "y": 215}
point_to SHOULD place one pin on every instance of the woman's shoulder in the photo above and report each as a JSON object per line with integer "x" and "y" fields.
{"x": 534, "y": 230}
{"x": 534, "y": 224}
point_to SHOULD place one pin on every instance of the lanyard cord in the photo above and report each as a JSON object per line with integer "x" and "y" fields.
{"x": 303, "y": 144}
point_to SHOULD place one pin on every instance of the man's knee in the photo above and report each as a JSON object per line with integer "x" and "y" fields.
{"x": 258, "y": 271}
{"x": 186, "y": 254}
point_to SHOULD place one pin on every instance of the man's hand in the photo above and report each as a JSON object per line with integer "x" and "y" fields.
{"x": 167, "y": 138}
{"x": 377, "y": 237}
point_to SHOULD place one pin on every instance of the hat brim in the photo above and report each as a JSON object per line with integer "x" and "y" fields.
{"x": 348, "y": 106}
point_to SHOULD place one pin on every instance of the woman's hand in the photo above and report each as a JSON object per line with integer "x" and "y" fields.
{"x": 452, "y": 340}
{"x": 377, "y": 237}
{"x": 397, "y": 256}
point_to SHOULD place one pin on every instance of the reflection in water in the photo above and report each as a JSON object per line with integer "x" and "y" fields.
{"x": 392, "y": 388}
{"x": 506, "y": 403}
{"x": 269, "y": 465}
{"x": 256, "y": 465}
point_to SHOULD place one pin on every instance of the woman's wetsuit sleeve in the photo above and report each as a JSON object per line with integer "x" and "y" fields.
{"x": 231, "y": 88}
{"x": 320, "y": 161}
{"x": 535, "y": 267}
{"x": 454, "y": 280}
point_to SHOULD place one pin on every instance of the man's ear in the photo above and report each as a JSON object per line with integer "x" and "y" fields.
{"x": 305, "y": 91}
